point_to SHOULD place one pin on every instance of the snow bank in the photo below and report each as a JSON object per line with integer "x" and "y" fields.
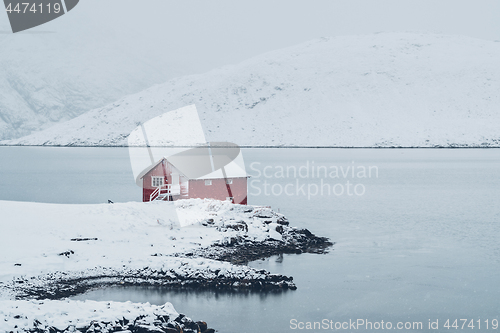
{"x": 48, "y": 246}
{"x": 68, "y": 315}
{"x": 52, "y": 251}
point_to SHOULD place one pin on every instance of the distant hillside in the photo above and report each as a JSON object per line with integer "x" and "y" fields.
{"x": 389, "y": 89}
{"x": 51, "y": 76}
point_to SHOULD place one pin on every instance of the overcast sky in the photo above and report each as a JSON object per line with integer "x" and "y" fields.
{"x": 196, "y": 36}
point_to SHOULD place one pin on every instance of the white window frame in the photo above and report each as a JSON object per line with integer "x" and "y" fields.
{"x": 208, "y": 182}
{"x": 160, "y": 178}
{"x": 229, "y": 181}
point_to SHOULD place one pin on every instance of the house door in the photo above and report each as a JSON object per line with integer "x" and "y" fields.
{"x": 176, "y": 189}
{"x": 185, "y": 187}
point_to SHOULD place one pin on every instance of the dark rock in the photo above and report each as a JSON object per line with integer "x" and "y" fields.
{"x": 170, "y": 330}
{"x": 209, "y": 330}
{"x": 67, "y": 253}
{"x": 239, "y": 226}
{"x": 142, "y": 329}
{"x": 202, "y": 325}
{"x": 306, "y": 232}
{"x": 179, "y": 318}
{"x": 283, "y": 221}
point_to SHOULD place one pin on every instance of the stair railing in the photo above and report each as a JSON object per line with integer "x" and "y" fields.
{"x": 163, "y": 189}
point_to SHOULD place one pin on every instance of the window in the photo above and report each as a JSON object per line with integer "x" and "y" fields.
{"x": 229, "y": 181}
{"x": 156, "y": 181}
{"x": 208, "y": 182}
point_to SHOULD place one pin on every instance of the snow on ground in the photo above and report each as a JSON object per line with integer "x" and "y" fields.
{"x": 38, "y": 238}
{"x": 388, "y": 89}
{"x": 45, "y": 248}
{"x": 30, "y": 315}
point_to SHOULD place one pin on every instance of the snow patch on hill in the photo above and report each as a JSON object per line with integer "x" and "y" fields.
{"x": 51, "y": 77}
{"x": 391, "y": 89}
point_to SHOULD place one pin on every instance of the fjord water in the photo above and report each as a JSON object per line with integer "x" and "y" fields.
{"x": 420, "y": 244}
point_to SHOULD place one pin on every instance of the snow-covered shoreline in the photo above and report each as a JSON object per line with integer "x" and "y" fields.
{"x": 92, "y": 316}
{"x": 52, "y": 251}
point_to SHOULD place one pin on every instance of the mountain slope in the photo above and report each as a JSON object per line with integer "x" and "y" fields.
{"x": 51, "y": 76}
{"x": 392, "y": 89}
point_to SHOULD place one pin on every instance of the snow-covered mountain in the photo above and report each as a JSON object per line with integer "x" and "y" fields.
{"x": 390, "y": 89}
{"x": 51, "y": 76}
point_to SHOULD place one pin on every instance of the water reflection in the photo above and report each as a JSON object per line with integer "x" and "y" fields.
{"x": 226, "y": 311}
{"x": 160, "y": 295}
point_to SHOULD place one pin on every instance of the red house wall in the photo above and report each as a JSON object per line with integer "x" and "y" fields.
{"x": 147, "y": 186}
{"x": 196, "y": 188}
{"x": 218, "y": 190}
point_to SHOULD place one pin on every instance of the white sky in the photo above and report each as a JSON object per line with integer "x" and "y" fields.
{"x": 196, "y": 36}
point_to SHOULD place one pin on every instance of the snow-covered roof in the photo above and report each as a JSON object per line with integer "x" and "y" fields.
{"x": 232, "y": 170}
{"x": 149, "y": 168}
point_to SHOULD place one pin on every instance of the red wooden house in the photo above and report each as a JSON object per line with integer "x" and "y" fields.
{"x": 169, "y": 180}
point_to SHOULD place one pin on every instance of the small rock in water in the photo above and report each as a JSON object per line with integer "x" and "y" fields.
{"x": 202, "y": 325}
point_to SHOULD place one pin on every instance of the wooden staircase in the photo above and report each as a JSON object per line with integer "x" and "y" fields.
{"x": 165, "y": 192}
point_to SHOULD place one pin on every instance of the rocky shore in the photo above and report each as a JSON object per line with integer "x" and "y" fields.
{"x": 94, "y": 317}
{"x": 210, "y": 253}
{"x": 242, "y": 251}
{"x": 184, "y": 276}
{"x": 162, "y": 323}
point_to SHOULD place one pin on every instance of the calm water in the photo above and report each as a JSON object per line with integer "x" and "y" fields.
{"x": 421, "y": 242}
